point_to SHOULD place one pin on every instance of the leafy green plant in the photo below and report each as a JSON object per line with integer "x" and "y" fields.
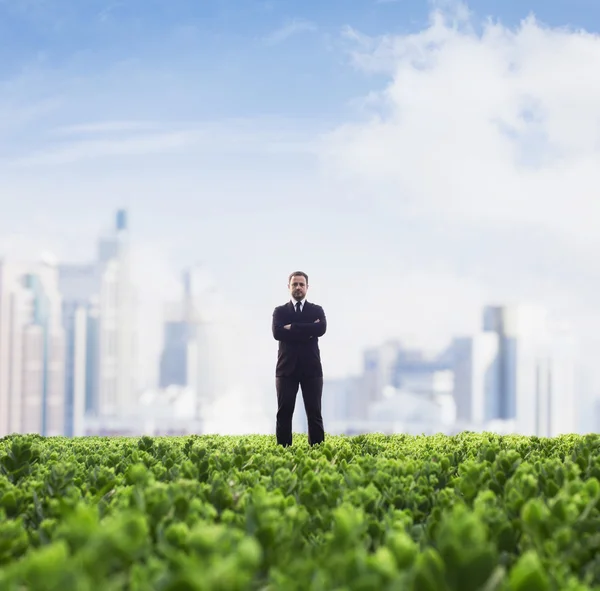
{"x": 473, "y": 512}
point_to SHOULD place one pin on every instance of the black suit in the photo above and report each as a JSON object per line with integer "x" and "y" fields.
{"x": 299, "y": 365}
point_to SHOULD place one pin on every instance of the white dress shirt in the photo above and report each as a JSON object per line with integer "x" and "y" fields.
{"x": 301, "y": 304}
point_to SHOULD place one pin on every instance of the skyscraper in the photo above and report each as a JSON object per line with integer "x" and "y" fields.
{"x": 188, "y": 356}
{"x": 32, "y": 355}
{"x": 79, "y": 367}
{"x": 14, "y": 315}
{"x": 99, "y": 318}
{"x": 520, "y": 370}
{"x": 379, "y": 369}
{"x": 476, "y": 376}
{"x": 78, "y": 284}
{"x": 117, "y": 387}
{"x": 46, "y": 340}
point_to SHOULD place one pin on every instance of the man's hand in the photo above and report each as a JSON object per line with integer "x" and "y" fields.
{"x": 317, "y": 320}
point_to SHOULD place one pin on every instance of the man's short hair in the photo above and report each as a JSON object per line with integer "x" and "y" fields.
{"x": 296, "y": 274}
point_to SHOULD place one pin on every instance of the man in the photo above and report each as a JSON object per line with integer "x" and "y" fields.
{"x": 297, "y": 326}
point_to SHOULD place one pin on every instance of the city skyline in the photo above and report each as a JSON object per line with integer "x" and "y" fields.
{"x": 68, "y": 352}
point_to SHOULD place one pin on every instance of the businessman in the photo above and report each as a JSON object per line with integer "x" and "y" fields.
{"x": 297, "y": 326}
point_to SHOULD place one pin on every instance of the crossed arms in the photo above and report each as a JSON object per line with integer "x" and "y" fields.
{"x": 298, "y": 331}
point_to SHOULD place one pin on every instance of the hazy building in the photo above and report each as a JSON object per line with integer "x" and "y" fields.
{"x": 15, "y": 315}
{"x": 419, "y": 371}
{"x": 400, "y": 367}
{"x": 379, "y": 369}
{"x": 188, "y": 358}
{"x": 100, "y": 329}
{"x": 177, "y": 356}
{"x": 476, "y": 378}
{"x": 80, "y": 285}
{"x": 76, "y": 321}
{"x": 116, "y": 329}
{"x": 158, "y": 413}
{"x": 403, "y": 407}
{"x": 343, "y": 399}
{"x": 44, "y": 351}
{"x": 520, "y": 370}
{"x": 32, "y": 354}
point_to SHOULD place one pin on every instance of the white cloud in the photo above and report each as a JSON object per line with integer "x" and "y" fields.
{"x": 68, "y": 144}
{"x": 155, "y": 143}
{"x": 106, "y": 127}
{"x": 293, "y": 27}
{"x": 481, "y": 123}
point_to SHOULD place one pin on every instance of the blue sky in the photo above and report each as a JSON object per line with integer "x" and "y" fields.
{"x": 421, "y": 167}
{"x": 287, "y": 56}
{"x": 214, "y": 59}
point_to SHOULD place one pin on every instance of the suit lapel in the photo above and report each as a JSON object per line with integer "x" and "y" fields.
{"x": 292, "y": 307}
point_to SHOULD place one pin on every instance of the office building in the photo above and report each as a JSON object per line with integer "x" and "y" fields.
{"x": 189, "y": 355}
{"x": 99, "y": 321}
{"x": 520, "y": 371}
{"x": 15, "y": 313}
{"x": 476, "y": 378}
{"x": 32, "y": 349}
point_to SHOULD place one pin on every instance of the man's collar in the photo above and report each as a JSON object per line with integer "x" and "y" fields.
{"x": 294, "y": 302}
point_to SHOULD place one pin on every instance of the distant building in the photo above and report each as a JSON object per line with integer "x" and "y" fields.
{"x": 401, "y": 390}
{"x": 99, "y": 316}
{"x": 393, "y": 365}
{"x": 188, "y": 357}
{"x": 15, "y": 314}
{"x": 116, "y": 328}
{"x": 175, "y": 360}
{"x": 437, "y": 410}
{"x": 160, "y": 412}
{"x": 48, "y": 341}
{"x": 343, "y": 399}
{"x": 79, "y": 367}
{"x": 379, "y": 369}
{"x": 520, "y": 370}
{"x": 476, "y": 377}
{"x": 32, "y": 350}
{"x": 418, "y": 371}
{"x": 80, "y": 287}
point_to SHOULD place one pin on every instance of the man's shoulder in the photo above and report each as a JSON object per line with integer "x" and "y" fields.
{"x": 282, "y": 307}
{"x": 313, "y": 305}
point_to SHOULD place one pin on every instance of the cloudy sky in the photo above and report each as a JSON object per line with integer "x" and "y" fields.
{"x": 417, "y": 159}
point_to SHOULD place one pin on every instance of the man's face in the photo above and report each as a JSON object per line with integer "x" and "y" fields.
{"x": 298, "y": 287}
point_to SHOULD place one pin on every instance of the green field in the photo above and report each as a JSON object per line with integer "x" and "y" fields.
{"x": 465, "y": 513}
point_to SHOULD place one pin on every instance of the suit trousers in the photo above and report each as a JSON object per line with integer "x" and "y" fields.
{"x": 287, "y": 390}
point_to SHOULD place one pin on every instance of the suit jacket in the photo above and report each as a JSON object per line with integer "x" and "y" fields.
{"x": 299, "y": 346}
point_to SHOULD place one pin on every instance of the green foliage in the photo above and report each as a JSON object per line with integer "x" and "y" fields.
{"x": 474, "y": 512}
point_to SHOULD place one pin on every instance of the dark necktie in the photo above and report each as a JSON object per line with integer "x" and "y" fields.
{"x": 298, "y": 304}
